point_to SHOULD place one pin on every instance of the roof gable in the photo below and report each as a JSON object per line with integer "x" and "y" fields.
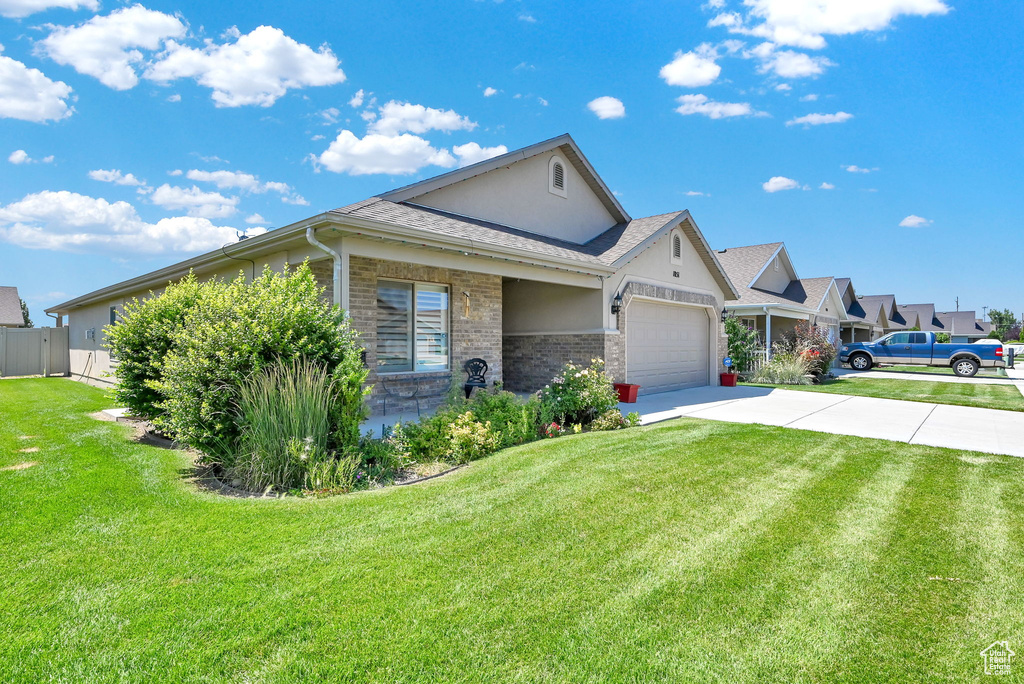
{"x": 513, "y": 190}
{"x": 10, "y": 307}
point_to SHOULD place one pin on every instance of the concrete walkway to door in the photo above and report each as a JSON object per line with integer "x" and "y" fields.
{"x": 956, "y": 427}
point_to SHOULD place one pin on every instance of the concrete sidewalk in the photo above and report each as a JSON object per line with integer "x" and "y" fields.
{"x": 956, "y": 427}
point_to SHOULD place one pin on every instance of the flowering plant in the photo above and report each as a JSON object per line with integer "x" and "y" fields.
{"x": 578, "y": 394}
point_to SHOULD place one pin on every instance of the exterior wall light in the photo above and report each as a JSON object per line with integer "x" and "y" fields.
{"x": 617, "y": 304}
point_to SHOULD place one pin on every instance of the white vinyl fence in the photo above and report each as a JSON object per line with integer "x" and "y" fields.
{"x": 33, "y": 351}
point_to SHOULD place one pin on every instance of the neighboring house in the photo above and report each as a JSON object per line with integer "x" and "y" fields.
{"x": 866, "y": 320}
{"x": 11, "y": 315}
{"x": 894, "y": 316}
{"x": 773, "y": 298}
{"x": 963, "y": 326}
{"x": 526, "y": 260}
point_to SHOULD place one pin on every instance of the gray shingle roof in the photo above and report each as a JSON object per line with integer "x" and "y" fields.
{"x": 10, "y": 307}
{"x": 963, "y": 323}
{"x": 605, "y": 249}
{"x": 742, "y": 264}
{"x": 926, "y": 319}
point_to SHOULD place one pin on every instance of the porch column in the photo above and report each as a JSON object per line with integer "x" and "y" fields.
{"x": 768, "y": 334}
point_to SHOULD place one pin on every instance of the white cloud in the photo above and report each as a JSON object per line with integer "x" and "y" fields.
{"x": 256, "y": 69}
{"x": 330, "y": 115}
{"x": 357, "y": 100}
{"x": 804, "y": 23}
{"x": 692, "y": 69}
{"x": 374, "y": 153}
{"x": 15, "y": 9}
{"x": 67, "y": 221}
{"x": 108, "y": 48}
{"x": 607, "y": 107}
{"x": 819, "y": 119}
{"x": 914, "y": 221}
{"x": 528, "y": 18}
{"x": 810, "y": 97}
{"x": 27, "y": 94}
{"x": 783, "y": 87}
{"x": 489, "y": 92}
{"x": 256, "y": 220}
{"x": 471, "y": 153}
{"x": 853, "y": 168}
{"x": 194, "y": 201}
{"x": 787, "y": 63}
{"x": 115, "y": 176}
{"x": 295, "y": 199}
{"x": 247, "y": 182}
{"x": 542, "y": 101}
{"x": 700, "y": 104}
{"x": 777, "y": 183}
{"x": 695, "y": 193}
{"x": 403, "y": 117}
{"x": 826, "y": 186}
{"x": 21, "y": 157}
{"x": 174, "y": 98}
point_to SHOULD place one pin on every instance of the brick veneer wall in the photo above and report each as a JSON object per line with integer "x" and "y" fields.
{"x": 532, "y": 360}
{"x": 475, "y": 335}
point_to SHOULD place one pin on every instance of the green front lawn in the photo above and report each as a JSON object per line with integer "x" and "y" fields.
{"x": 686, "y": 551}
{"x": 1006, "y": 397}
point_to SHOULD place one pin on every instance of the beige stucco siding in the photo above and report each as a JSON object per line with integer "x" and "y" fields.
{"x": 518, "y": 196}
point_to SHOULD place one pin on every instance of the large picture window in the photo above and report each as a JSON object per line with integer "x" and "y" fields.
{"x": 412, "y": 327}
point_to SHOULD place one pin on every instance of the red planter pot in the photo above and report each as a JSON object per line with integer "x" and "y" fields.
{"x": 728, "y": 379}
{"x": 627, "y": 392}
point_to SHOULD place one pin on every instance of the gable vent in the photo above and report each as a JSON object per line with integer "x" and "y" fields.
{"x": 677, "y": 247}
{"x": 558, "y": 176}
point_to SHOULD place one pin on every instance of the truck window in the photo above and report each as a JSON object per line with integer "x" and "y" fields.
{"x": 917, "y": 338}
{"x": 899, "y": 338}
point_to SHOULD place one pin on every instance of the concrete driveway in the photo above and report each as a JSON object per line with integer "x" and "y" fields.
{"x": 956, "y": 427}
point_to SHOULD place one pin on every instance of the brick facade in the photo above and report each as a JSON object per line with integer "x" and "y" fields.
{"x": 532, "y": 360}
{"x": 476, "y": 333}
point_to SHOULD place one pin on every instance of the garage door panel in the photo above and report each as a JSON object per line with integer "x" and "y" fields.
{"x": 666, "y": 346}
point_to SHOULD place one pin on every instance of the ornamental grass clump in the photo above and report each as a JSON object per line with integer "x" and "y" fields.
{"x": 285, "y": 416}
{"x": 786, "y": 367}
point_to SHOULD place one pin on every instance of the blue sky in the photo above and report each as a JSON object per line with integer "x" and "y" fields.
{"x": 134, "y": 136}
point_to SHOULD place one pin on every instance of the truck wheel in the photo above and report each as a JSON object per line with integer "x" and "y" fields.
{"x": 965, "y": 368}
{"x": 860, "y": 362}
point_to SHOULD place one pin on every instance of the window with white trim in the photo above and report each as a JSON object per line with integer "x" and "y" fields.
{"x": 677, "y": 249}
{"x": 412, "y": 327}
{"x": 557, "y": 177}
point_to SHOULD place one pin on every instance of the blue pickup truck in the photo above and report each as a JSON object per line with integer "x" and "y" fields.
{"x": 921, "y": 349}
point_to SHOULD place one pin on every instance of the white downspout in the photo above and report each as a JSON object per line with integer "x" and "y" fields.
{"x": 767, "y": 333}
{"x": 311, "y": 238}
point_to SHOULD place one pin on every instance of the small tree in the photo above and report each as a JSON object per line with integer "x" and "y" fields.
{"x": 24, "y": 314}
{"x": 1002, "y": 321}
{"x": 942, "y": 338}
{"x": 743, "y": 343}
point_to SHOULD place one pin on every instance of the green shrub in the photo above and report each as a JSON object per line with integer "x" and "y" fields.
{"x": 467, "y": 439}
{"x": 611, "y": 419}
{"x": 577, "y": 395}
{"x": 942, "y": 338}
{"x": 380, "y": 460}
{"x": 513, "y": 420}
{"x": 142, "y": 338}
{"x": 815, "y": 346}
{"x": 743, "y": 344}
{"x": 236, "y": 330}
{"x": 285, "y": 414}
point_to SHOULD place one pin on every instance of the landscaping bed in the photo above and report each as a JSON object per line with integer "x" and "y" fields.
{"x": 1005, "y": 397}
{"x": 687, "y": 551}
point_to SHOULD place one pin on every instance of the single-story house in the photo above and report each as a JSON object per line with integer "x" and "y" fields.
{"x": 963, "y": 326}
{"x": 10, "y": 308}
{"x": 864, "y": 323}
{"x": 894, "y": 316}
{"x": 773, "y": 298}
{"x": 526, "y": 260}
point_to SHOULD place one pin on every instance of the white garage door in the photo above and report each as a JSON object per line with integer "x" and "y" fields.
{"x": 666, "y": 346}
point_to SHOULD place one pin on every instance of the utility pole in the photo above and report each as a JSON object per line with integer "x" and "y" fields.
{"x": 957, "y": 303}
{"x": 984, "y": 312}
